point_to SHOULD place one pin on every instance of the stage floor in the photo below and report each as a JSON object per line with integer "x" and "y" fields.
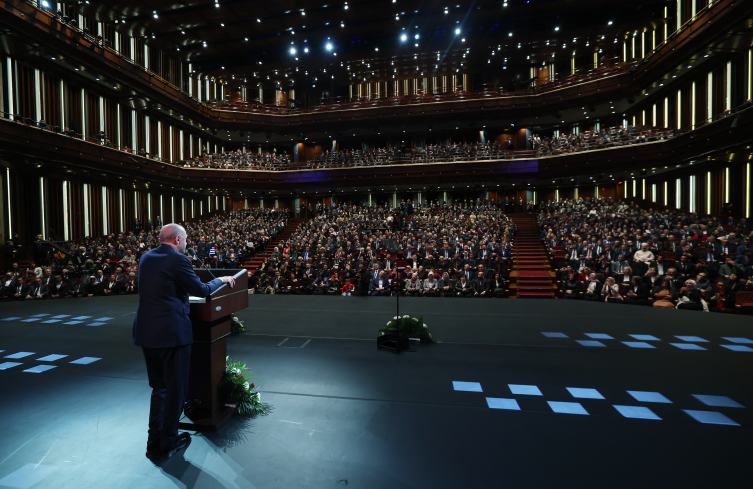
{"x": 520, "y": 393}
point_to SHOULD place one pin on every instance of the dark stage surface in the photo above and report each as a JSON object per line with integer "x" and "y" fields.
{"x": 346, "y": 414}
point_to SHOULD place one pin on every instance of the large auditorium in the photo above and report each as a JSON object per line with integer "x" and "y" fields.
{"x": 231, "y": 231}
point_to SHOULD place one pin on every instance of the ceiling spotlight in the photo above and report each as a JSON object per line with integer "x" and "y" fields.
{"x": 457, "y": 31}
{"x": 403, "y": 37}
{"x": 556, "y": 28}
{"x": 416, "y": 36}
{"x": 329, "y": 47}
{"x": 609, "y": 23}
{"x": 292, "y": 50}
{"x": 155, "y": 14}
{"x": 305, "y": 50}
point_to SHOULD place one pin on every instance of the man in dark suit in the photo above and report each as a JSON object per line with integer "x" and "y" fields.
{"x": 163, "y": 329}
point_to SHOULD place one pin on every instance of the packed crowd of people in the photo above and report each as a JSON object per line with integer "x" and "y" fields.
{"x": 591, "y": 140}
{"x": 463, "y": 152}
{"x": 427, "y": 250}
{"x": 109, "y": 265}
{"x": 616, "y": 252}
{"x": 238, "y": 160}
{"x": 354, "y": 157}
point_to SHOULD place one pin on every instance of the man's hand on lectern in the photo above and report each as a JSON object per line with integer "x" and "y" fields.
{"x": 228, "y": 280}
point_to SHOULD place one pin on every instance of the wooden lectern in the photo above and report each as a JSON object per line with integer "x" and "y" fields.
{"x": 211, "y": 327}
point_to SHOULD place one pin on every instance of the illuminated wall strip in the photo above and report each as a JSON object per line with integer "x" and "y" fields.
{"x": 692, "y": 195}
{"x": 190, "y": 145}
{"x": 576, "y": 193}
{"x": 180, "y": 153}
{"x": 666, "y": 112}
{"x": 678, "y": 193}
{"x": 121, "y": 206}
{"x": 728, "y": 98}
{"x": 653, "y": 40}
{"x": 692, "y": 106}
{"x": 632, "y": 48}
{"x": 134, "y": 139}
{"x": 38, "y": 94}
{"x": 643, "y": 189}
{"x": 86, "y": 210}
{"x": 625, "y": 189}
{"x": 750, "y": 73}
{"x": 147, "y": 138}
{"x": 159, "y": 139}
{"x": 666, "y": 14}
{"x": 172, "y": 206}
{"x": 653, "y": 192}
{"x": 665, "y": 192}
{"x": 596, "y": 191}
{"x": 201, "y": 207}
{"x": 556, "y": 196}
{"x": 161, "y": 206}
{"x": 653, "y": 116}
{"x": 66, "y": 222}
{"x": 708, "y": 193}
{"x": 726, "y": 185}
{"x": 83, "y": 113}
{"x": 8, "y": 203}
{"x": 146, "y": 56}
{"x": 42, "y": 207}
{"x": 679, "y": 110}
{"x": 692, "y": 8}
{"x": 624, "y": 51}
{"x": 182, "y": 209}
{"x": 135, "y": 205}
{"x": 679, "y": 14}
{"x": 149, "y": 198}
{"x": 170, "y": 144}
{"x": 117, "y": 134}
{"x": 223, "y": 203}
{"x": 643, "y": 45}
{"x": 709, "y": 96}
{"x": 748, "y": 190}
{"x": 105, "y": 213}
{"x": 62, "y": 105}
{"x": 11, "y": 92}
{"x": 101, "y": 114}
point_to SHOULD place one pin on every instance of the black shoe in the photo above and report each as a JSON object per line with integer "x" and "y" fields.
{"x": 152, "y": 450}
{"x": 181, "y": 443}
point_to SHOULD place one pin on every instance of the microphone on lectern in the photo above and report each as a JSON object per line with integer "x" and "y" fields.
{"x": 192, "y": 252}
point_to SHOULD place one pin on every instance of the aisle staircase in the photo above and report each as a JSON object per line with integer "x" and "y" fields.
{"x": 255, "y": 262}
{"x": 534, "y": 279}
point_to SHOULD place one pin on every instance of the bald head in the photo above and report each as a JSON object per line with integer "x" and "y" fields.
{"x": 173, "y": 235}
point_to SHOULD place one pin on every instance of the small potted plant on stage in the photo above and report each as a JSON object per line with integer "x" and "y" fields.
{"x": 238, "y": 390}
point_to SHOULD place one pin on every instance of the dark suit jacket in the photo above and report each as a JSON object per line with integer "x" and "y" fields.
{"x": 165, "y": 281}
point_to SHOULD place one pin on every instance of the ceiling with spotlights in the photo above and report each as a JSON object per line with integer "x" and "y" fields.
{"x": 341, "y": 42}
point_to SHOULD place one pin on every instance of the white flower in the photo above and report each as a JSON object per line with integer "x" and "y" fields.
{"x": 415, "y": 319}
{"x": 245, "y": 385}
{"x": 389, "y": 322}
{"x": 425, "y": 326}
{"x": 406, "y": 316}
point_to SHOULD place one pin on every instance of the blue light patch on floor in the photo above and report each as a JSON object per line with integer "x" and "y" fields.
{"x": 737, "y": 347}
{"x": 458, "y": 386}
{"x": 555, "y": 335}
{"x": 639, "y": 412}
{"x": 590, "y": 343}
{"x": 525, "y": 390}
{"x": 39, "y": 315}
{"x": 644, "y": 337}
{"x": 27, "y": 476}
{"x": 687, "y": 346}
{"x": 710, "y": 417}
{"x": 10, "y": 319}
{"x": 103, "y": 319}
{"x": 567, "y": 407}
{"x": 51, "y": 358}
{"x": 580, "y": 393}
{"x": 39, "y": 369}
{"x": 7, "y": 365}
{"x": 737, "y": 340}
{"x": 500, "y": 403}
{"x": 718, "y": 401}
{"x": 20, "y": 354}
{"x": 81, "y": 317}
{"x": 95, "y": 324}
{"x": 88, "y": 360}
{"x": 599, "y": 336}
{"x": 61, "y": 316}
{"x": 74, "y": 322}
{"x": 638, "y": 344}
{"x": 51, "y": 321}
{"x": 30, "y": 320}
{"x": 644, "y": 396}
{"x": 696, "y": 339}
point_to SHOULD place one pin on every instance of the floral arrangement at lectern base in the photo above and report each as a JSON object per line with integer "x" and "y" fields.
{"x": 235, "y": 388}
{"x": 411, "y": 327}
{"x": 236, "y": 325}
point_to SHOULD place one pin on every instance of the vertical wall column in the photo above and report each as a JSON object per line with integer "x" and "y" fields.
{"x": 159, "y": 139}
{"x": 83, "y": 113}
{"x": 147, "y": 141}
{"x": 134, "y": 138}
{"x": 11, "y": 91}
{"x": 38, "y": 95}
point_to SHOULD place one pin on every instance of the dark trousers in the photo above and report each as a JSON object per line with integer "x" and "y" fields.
{"x": 167, "y": 369}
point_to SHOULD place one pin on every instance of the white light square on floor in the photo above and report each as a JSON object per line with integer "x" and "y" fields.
{"x": 51, "y": 358}
{"x": 567, "y": 407}
{"x": 27, "y": 476}
{"x": 30, "y": 320}
{"x": 554, "y": 335}
{"x": 500, "y": 403}
{"x": 638, "y": 344}
{"x": 20, "y": 354}
{"x": 61, "y": 316}
{"x": 644, "y": 396}
{"x": 710, "y": 417}
{"x": 581, "y": 393}
{"x": 7, "y": 365}
{"x": 85, "y": 360}
{"x": 687, "y": 346}
{"x": 74, "y": 322}
{"x": 737, "y": 340}
{"x": 644, "y": 337}
{"x": 718, "y": 401}
{"x": 10, "y": 319}
{"x": 39, "y": 369}
{"x": 95, "y": 324}
{"x": 39, "y": 315}
{"x": 103, "y": 319}
{"x": 525, "y": 390}
{"x": 81, "y": 317}
{"x": 460, "y": 386}
{"x": 696, "y": 339}
{"x": 599, "y": 336}
{"x": 51, "y": 321}
{"x": 636, "y": 412}
{"x": 737, "y": 347}
{"x": 591, "y": 343}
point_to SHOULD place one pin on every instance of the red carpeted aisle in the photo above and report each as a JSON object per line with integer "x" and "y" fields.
{"x": 530, "y": 261}
{"x": 256, "y": 261}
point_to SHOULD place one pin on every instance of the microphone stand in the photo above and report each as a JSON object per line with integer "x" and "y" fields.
{"x": 192, "y": 252}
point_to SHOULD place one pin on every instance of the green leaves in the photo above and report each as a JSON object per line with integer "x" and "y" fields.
{"x": 237, "y": 388}
{"x": 410, "y": 326}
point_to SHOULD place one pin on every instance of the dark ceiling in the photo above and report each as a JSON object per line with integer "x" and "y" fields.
{"x": 252, "y": 40}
